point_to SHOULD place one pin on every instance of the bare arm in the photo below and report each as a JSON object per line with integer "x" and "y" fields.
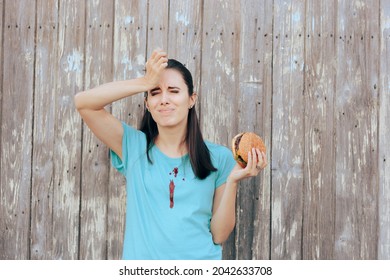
{"x": 91, "y": 103}
{"x": 224, "y": 206}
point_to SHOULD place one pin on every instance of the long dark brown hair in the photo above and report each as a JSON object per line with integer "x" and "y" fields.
{"x": 198, "y": 152}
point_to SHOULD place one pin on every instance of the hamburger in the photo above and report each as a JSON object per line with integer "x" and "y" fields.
{"x": 243, "y": 143}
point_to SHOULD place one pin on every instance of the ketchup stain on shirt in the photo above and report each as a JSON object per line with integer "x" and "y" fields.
{"x": 171, "y": 191}
{"x": 175, "y": 171}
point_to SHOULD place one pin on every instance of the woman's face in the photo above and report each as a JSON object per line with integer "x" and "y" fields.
{"x": 169, "y": 102}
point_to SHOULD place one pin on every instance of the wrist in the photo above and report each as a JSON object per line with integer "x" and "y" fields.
{"x": 145, "y": 84}
{"x": 231, "y": 181}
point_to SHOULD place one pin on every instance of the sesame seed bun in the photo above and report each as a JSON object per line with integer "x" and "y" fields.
{"x": 243, "y": 143}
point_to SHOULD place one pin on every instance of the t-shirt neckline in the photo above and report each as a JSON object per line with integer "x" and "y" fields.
{"x": 174, "y": 159}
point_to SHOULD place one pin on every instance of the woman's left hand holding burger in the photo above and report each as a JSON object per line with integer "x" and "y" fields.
{"x": 257, "y": 161}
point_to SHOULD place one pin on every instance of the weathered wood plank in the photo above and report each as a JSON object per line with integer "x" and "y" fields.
{"x": 95, "y": 162}
{"x": 2, "y": 9}
{"x": 319, "y": 184}
{"x": 185, "y": 35}
{"x": 254, "y": 114}
{"x": 326, "y": 194}
{"x": 129, "y": 62}
{"x": 43, "y": 172}
{"x": 262, "y": 216}
{"x": 219, "y": 87}
{"x": 384, "y": 135}
{"x": 356, "y": 107}
{"x": 157, "y": 26}
{"x": 17, "y": 117}
{"x": 287, "y": 129}
{"x": 68, "y": 131}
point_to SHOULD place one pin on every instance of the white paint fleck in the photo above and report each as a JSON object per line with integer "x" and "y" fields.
{"x": 360, "y": 4}
{"x": 140, "y": 59}
{"x": 297, "y": 160}
{"x": 254, "y": 79}
{"x": 127, "y": 62}
{"x": 180, "y": 18}
{"x": 127, "y": 66}
{"x": 65, "y": 101}
{"x": 318, "y": 180}
{"x": 296, "y": 17}
{"x": 28, "y": 56}
{"x": 293, "y": 230}
{"x": 137, "y": 39}
{"x": 277, "y": 216}
{"x": 315, "y": 147}
{"x": 129, "y": 19}
{"x": 280, "y": 113}
{"x": 74, "y": 62}
{"x": 228, "y": 70}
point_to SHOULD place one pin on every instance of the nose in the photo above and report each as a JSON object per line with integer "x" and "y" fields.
{"x": 164, "y": 97}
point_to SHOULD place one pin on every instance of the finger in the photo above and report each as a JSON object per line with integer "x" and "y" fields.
{"x": 250, "y": 161}
{"x": 265, "y": 162}
{"x": 157, "y": 54}
{"x": 260, "y": 159}
{"x": 162, "y": 59}
{"x": 254, "y": 158}
{"x": 154, "y": 54}
{"x": 262, "y": 163}
{"x": 161, "y": 53}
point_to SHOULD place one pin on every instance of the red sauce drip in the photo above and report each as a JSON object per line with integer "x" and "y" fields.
{"x": 175, "y": 171}
{"x": 171, "y": 191}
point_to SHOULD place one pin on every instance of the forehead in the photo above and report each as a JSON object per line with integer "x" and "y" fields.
{"x": 172, "y": 77}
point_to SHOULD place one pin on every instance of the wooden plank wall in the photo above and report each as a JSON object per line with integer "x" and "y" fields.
{"x": 384, "y": 133}
{"x": 311, "y": 77}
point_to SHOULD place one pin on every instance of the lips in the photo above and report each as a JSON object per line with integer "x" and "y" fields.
{"x": 165, "y": 111}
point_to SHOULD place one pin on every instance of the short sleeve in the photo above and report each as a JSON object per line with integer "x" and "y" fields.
{"x": 132, "y": 138}
{"x": 225, "y": 166}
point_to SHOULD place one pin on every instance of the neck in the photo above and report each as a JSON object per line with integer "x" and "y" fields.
{"x": 171, "y": 141}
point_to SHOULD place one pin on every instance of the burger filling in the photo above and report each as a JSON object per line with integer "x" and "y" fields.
{"x": 240, "y": 159}
{"x": 236, "y": 145}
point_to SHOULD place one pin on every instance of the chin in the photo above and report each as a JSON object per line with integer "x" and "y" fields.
{"x": 170, "y": 123}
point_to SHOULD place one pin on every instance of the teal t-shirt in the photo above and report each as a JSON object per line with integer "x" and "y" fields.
{"x": 168, "y": 210}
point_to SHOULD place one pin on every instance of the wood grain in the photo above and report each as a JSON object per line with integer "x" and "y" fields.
{"x": 219, "y": 88}
{"x": 68, "y": 131}
{"x": 157, "y": 26}
{"x": 43, "y": 162}
{"x": 95, "y": 161}
{"x": 287, "y": 129}
{"x": 356, "y": 109}
{"x": 384, "y": 135}
{"x": 254, "y": 108}
{"x": 185, "y": 36}
{"x": 319, "y": 184}
{"x": 2, "y": 229}
{"x": 130, "y": 39}
{"x": 16, "y": 128}
{"x": 310, "y": 77}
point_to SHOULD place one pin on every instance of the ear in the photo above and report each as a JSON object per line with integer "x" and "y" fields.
{"x": 193, "y": 99}
{"x": 146, "y": 104}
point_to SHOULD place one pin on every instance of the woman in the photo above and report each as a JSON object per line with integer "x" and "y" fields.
{"x": 181, "y": 190}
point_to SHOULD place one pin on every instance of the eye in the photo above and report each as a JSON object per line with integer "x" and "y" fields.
{"x": 175, "y": 91}
{"x": 154, "y": 92}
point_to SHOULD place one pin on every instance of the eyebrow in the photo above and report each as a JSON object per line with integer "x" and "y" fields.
{"x": 169, "y": 88}
{"x": 174, "y": 88}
